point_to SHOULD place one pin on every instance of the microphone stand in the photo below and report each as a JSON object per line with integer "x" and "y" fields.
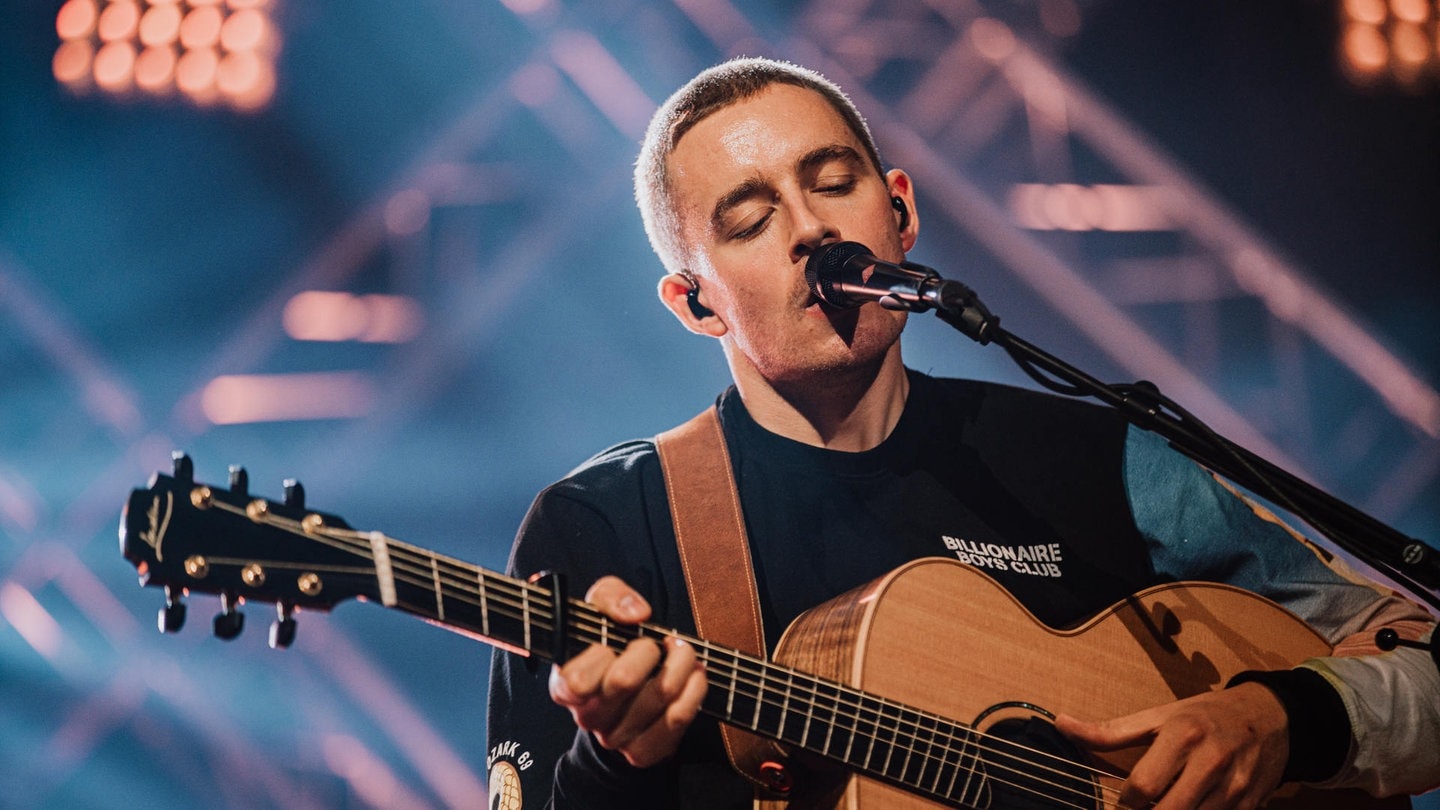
{"x": 1405, "y": 559}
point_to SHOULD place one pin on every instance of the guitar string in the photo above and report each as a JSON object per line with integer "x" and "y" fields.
{"x": 712, "y": 654}
{"x": 715, "y": 654}
{"x": 910, "y": 728}
{"x": 402, "y": 554}
{"x": 357, "y": 543}
{"x": 912, "y": 740}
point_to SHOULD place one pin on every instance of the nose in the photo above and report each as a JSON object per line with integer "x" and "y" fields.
{"x": 809, "y": 229}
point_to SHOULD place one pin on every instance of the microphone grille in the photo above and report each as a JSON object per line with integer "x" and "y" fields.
{"x": 826, "y": 266}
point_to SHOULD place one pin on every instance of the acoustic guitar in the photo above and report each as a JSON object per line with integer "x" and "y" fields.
{"x": 930, "y": 687}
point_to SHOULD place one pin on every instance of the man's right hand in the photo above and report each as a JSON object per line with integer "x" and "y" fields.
{"x": 621, "y": 698}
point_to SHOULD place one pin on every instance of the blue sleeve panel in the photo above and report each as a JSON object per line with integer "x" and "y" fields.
{"x": 1199, "y": 530}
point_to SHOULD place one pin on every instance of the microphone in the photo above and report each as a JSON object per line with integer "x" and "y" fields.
{"x": 846, "y": 275}
{"x": 837, "y": 275}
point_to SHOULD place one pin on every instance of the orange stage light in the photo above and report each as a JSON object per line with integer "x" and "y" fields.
{"x": 1390, "y": 44}
{"x": 212, "y": 51}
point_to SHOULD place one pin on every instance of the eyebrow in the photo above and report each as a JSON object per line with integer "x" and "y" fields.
{"x": 828, "y": 154}
{"x": 754, "y": 186}
{"x": 749, "y": 189}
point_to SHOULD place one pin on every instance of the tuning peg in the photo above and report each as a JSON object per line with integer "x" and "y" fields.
{"x": 239, "y": 480}
{"x": 282, "y": 630}
{"x": 229, "y": 621}
{"x": 172, "y": 616}
{"x": 294, "y": 493}
{"x": 182, "y": 468}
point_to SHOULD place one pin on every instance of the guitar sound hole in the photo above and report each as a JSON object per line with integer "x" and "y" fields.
{"x": 1024, "y": 781}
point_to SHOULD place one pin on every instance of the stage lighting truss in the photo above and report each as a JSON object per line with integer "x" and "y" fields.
{"x": 208, "y": 52}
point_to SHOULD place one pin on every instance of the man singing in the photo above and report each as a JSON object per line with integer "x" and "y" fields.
{"x": 847, "y": 465}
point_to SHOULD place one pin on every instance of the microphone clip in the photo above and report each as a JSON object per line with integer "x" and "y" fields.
{"x": 920, "y": 304}
{"x": 954, "y": 303}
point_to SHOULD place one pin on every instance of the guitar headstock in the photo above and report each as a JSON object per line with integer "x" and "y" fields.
{"x": 189, "y": 537}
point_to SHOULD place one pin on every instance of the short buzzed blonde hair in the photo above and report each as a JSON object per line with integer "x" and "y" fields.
{"x": 712, "y": 90}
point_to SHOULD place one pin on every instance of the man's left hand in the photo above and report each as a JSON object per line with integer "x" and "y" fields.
{"x": 1217, "y": 750}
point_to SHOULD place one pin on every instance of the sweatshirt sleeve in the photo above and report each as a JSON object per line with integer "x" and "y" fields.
{"x": 536, "y": 756}
{"x": 1387, "y": 721}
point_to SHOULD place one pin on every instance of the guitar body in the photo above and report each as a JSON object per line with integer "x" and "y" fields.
{"x": 943, "y": 637}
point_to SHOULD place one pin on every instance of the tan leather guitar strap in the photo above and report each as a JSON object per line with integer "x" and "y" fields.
{"x": 715, "y": 554}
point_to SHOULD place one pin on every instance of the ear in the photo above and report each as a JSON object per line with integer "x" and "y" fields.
{"x": 901, "y": 186}
{"x": 674, "y": 290}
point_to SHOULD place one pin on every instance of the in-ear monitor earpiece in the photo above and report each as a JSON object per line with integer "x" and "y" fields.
{"x": 899, "y": 205}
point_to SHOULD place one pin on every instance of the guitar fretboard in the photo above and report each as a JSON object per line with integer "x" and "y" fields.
{"x": 922, "y": 751}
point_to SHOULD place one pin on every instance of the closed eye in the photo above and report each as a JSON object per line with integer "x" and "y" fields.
{"x": 836, "y": 186}
{"x": 754, "y": 227}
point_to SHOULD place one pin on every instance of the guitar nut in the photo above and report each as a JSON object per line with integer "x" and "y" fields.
{"x": 253, "y": 575}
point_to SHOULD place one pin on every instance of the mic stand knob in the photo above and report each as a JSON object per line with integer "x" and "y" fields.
{"x": 1388, "y": 640}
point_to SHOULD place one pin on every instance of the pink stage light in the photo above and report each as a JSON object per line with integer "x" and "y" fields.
{"x": 246, "y": 398}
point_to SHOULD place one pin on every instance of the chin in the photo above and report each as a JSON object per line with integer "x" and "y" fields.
{"x": 863, "y": 354}
{"x": 877, "y": 330}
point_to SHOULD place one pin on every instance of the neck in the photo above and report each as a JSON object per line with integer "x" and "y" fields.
{"x": 851, "y": 409}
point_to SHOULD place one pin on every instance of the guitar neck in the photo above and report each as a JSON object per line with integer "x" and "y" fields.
{"x": 880, "y": 738}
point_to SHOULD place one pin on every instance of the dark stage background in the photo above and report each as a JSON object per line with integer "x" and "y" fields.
{"x": 1237, "y": 200}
